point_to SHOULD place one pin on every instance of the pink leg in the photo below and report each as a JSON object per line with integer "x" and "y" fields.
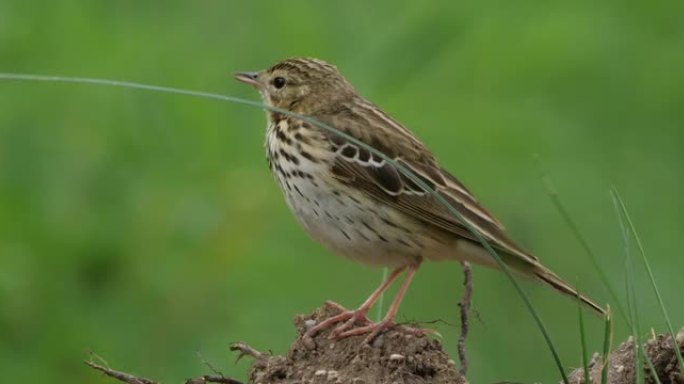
{"x": 362, "y": 311}
{"x": 359, "y": 315}
{"x": 388, "y": 321}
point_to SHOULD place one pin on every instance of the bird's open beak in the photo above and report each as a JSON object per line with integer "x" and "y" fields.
{"x": 248, "y": 77}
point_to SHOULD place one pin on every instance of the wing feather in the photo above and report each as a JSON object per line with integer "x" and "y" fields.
{"x": 378, "y": 178}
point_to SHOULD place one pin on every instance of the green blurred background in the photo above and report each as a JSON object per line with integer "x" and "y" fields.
{"x": 146, "y": 227}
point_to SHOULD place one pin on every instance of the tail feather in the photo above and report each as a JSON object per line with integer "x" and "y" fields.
{"x": 558, "y": 284}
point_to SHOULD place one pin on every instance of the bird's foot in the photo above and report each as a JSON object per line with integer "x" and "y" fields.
{"x": 350, "y": 318}
{"x": 375, "y": 329}
{"x": 357, "y": 317}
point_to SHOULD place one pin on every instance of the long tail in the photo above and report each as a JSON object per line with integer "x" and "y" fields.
{"x": 560, "y": 285}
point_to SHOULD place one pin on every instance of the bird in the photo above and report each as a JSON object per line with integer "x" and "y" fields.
{"x": 361, "y": 206}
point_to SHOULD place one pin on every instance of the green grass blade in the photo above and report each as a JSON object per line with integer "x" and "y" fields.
{"x": 631, "y": 297}
{"x": 634, "y": 320}
{"x": 400, "y": 168}
{"x": 565, "y": 214}
{"x": 607, "y": 342}
{"x": 583, "y": 339}
{"x": 625, "y": 213}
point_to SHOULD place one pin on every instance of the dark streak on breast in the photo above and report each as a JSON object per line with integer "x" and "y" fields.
{"x": 362, "y": 235}
{"x": 345, "y": 234}
{"x": 308, "y": 156}
{"x": 298, "y": 191}
{"x": 282, "y": 136}
{"x": 403, "y": 242}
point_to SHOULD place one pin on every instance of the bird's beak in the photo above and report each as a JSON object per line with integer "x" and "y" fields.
{"x": 249, "y": 78}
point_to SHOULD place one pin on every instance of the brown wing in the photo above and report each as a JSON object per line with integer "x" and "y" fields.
{"x": 368, "y": 172}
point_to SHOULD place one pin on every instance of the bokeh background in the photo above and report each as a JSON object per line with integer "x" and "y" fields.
{"x": 146, "y": 227}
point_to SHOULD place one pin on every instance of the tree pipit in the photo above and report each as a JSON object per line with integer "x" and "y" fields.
{"x": 360, "y": 206}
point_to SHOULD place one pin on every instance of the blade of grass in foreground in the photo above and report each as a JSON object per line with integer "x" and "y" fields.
{"x": 631, "y": 300}
{"x": 400, "y": 168}
{"x": 639, "y": 350}
{"x": 560, "y": 207}
{"x": 616, "y": 196}
{"x": 607, "y": 342}
{"x": 583, "y": 339}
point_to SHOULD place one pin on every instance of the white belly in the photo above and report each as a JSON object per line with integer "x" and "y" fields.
{"x": 335, "y": 216}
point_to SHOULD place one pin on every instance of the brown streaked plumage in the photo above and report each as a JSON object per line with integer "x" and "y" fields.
{"x": 360, "y": 206}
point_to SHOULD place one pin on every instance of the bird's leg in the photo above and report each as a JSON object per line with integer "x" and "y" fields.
{"x": 377, "y": 328}
{"x": 358, "y": 315}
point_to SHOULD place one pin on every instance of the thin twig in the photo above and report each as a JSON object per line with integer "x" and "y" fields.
{"x": 132, "y": 379}
{"x": 212, "y": 379}
{"x": 245, "y": 350}
{"x": 121, "y": 376}
{"x": 465, "y": 308}
{"x": 209, "y": 365}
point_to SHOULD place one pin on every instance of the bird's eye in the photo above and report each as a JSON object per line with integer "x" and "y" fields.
{"x": 279, "y": 82}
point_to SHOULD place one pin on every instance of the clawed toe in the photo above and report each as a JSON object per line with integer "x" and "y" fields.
{"x": 329, "y": 322}
{"x": 357, "y": 318}
{"x": 350, "y": 318}
{"x": 373, "y": 330}
{"x": 376, "y": 329}
{"x": 355, "y": 323}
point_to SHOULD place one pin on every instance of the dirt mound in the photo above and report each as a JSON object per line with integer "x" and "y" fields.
{"x": 660, "y": 350}
{"x": 396, "y": 357}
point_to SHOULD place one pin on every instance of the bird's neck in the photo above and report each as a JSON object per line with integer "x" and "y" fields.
{"x": 275, "y": 117}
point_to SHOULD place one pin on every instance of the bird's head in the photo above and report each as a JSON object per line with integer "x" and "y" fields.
{"x": 302, "y": 85}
